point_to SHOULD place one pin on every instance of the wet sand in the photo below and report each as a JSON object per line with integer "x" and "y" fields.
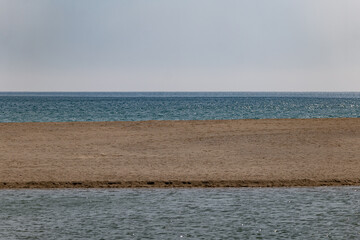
{"x": 210, "y": 153}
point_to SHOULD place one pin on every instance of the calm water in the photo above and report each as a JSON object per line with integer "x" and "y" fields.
{"x": 277, "y": 213}
{"x": 60, "y": 107}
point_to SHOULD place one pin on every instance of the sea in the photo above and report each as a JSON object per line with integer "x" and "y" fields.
{"x": 233, "y": 213}
{"x": 218, "y": 213}
{"x": 140, "y": 106}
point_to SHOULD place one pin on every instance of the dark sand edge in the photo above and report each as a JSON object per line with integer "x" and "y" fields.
{"x": 180, "y": 184}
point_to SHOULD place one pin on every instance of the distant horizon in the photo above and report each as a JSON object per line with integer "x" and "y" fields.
{"x": 179, "y": 91}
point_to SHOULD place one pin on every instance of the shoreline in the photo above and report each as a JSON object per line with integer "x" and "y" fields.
{"x": 179, "y": 184}
{"x": 181, "y": 154}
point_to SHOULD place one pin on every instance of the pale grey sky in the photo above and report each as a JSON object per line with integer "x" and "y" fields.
{"x": 172, "y": 45}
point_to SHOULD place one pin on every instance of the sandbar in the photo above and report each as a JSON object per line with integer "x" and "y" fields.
{"x": 167, "y": 154}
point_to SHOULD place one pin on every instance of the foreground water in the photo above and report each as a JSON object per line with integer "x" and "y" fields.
{"x": 277, "y": 213}
{"x": 64, "y": 107}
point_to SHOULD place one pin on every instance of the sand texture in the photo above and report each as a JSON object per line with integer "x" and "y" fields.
{"x": 211, "y": 153}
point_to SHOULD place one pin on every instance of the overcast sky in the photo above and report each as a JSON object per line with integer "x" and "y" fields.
{"x": 179, "y": 45}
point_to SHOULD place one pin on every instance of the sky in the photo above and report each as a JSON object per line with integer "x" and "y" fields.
{"x": 172, "y": 45}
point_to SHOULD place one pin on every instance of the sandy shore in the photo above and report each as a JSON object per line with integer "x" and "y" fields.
{"x": 219, "y": 153}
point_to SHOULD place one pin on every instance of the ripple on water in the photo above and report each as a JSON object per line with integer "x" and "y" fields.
{"x": 64, "y": 107}
{"x": 275, "y": 213}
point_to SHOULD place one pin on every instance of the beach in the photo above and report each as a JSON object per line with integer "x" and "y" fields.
{"x": 196, "y": 153}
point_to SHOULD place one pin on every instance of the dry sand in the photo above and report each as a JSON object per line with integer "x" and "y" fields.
{"x": 219, "y": 153}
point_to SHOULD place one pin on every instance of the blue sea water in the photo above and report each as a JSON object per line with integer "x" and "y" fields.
{"x": 255, "y": 213}
{"x": 136, "y": 106}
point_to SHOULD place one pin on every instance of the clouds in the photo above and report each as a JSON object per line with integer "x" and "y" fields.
{"x": 154, "y": 45}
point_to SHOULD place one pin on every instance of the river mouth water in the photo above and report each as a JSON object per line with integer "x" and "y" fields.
{"x": 219, "y": 213}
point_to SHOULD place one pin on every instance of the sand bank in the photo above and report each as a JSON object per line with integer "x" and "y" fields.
{"x": 211, "y": 153}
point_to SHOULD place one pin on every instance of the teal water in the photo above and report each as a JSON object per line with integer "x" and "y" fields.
{"x": 256, "y": 213}
{"x": 65, "y": 107}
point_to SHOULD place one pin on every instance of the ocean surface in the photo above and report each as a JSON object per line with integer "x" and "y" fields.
{"x": 255, "y": 213}
{"x": 136, "y": 106}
